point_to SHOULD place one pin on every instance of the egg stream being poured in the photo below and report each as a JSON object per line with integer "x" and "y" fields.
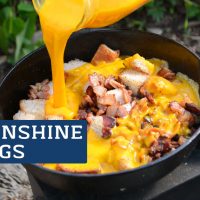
{"x": 59, "y": 19}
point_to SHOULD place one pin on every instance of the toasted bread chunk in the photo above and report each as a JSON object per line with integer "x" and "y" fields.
{"x": 133, "y": 79}
{"x": 35, "y": 107}
{"x": 97, "y": 125}
{"x": 104, "y": 54}
{"x": 20, "y": 115}
{"x": 138, "y": 63}
{"x": 73, "y": 64}
{"x": 92, "y": 167}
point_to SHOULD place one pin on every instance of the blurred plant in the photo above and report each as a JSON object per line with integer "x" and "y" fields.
{"x": 156, "y": 10}
{"x": 192, "y": 12}
{"x": 18, "y": 22}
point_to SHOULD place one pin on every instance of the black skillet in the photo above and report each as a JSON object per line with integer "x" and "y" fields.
{"x": 36, "y": 67}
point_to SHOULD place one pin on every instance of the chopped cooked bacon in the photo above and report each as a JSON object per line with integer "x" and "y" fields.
{"x": 112, "y": 110}
{"x": 88, "y": 99}
{"x": 90, "y": 91}
{"x": 82, "y": 114}
{"x": 176, "y": 108}
{"x": 107, "y": 100}
{"x": 185, "y": 100}
{"x": 191, "y": 107}
{"x": 122, "y": 111}
{"x": 102, "y": 125}
{"x": 99, "y": 90}
{"x": 116, "y": 84}
{"x": 119, "y": 110}
{"x": 107, "y": 82}
{"x": 40, "y": 90}
{"x": 141, "y": 106}
{"x": 164, "y": 145}
{"x": 183, "y": 115}
{"x": 102, "y": 109}
{"x": 96, "y": 80}
{"x": 89, "y": 118}
{"x": 127, "y": 95}
{"x": 104, "y": 54}
{"x": 108, "y": 124}
{"x": 145, "y": 93}
{"x": 167, "y": 74}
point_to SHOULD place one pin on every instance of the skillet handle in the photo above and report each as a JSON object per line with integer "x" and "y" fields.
{"x": 37, "y": 191}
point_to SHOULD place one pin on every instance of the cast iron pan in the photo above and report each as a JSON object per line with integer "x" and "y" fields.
{"x": 36, "y": 67}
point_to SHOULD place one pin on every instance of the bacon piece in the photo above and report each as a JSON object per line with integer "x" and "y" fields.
{"x": 176, "y": 108}
{"x": 111, "y": 83}
{"x": 112, "y": 110}
{"x": 119, "y": 110}
{"x": 145, "y": 93}
{"x": 127, "y": 95}
{"x": 90, "y": 91}
{"x": 102, "y": 109}
{"x": 140, "y": 106}
{"x": 96, "y": 79}
{"x": 102, "y": 125}
{"x": 162, "y": 146}
{"x": 122, "y": 111}
{"x": 107, "y": 82}
{"x": 89, "y": 118}
{"x": 107, "y": 100}
{"x": 108, "y": 124}
{"x": 185, "y": 100}
{"x": 116, "y": 84}
{"x": 99, "y": 90}
{"x": 191, "y": 107}
{"x": 82, "y": 114}
{"x": 40, "y": 90}
{"x": 183, "y": 115}
{"x": 167, "y": 74}
{"x": 104, "y": 53}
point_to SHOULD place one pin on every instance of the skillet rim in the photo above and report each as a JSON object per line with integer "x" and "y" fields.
{"x": 194, "y": 136}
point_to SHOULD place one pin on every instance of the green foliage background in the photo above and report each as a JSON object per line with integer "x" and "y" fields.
{"x": 19, "y": 22}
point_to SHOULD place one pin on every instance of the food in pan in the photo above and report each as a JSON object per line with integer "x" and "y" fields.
{"x": 137, "y": 110}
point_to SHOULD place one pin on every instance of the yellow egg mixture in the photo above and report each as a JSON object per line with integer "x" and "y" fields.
{"x": 128, "y": 146}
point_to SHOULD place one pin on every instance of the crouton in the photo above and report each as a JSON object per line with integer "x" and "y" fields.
{"x": 92, "y": 167}
{"x": 97, "y": 125}
{"x": 20, "y": 115}
{"x": 73, "y": 64}
{"x": 133, "y": 79}
{"x": 104, "y": 54}
{"x": 35, "y": 107}
{"x": 138, "y": 63}
{"x": 102, "y": 125}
